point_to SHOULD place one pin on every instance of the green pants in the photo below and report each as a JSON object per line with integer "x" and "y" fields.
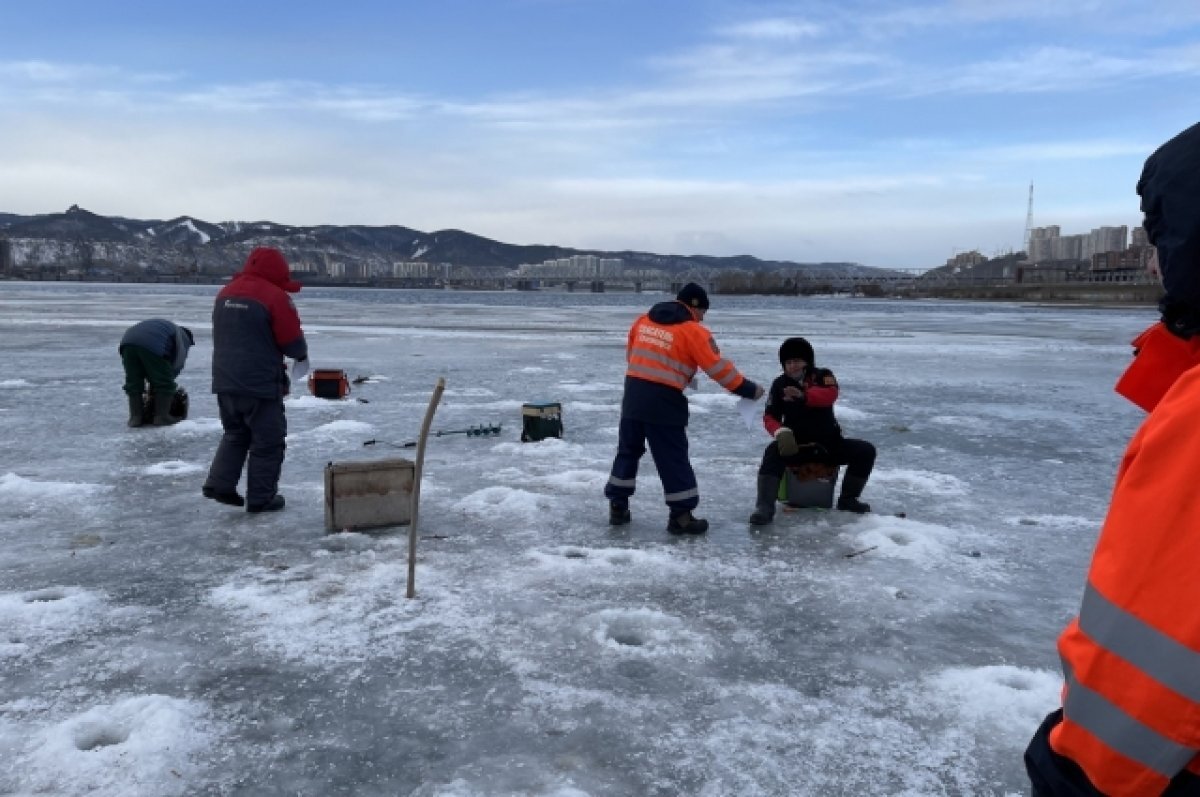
{"x": 143, "y": 366}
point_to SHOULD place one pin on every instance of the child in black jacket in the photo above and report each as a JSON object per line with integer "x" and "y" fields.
{"x": 799, "y": 415}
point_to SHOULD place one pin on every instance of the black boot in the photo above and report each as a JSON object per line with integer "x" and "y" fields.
{"x": 232, "y": 498}
{"x": 764, "y": 506}
{"x": 686, "y": 524}
{"x": 162, "y": 409}
{"x": 852, "y": 487}
{"x": 136, "y": 408}
{"x": 618, "y": 513}
{"x": 274, "y": 505}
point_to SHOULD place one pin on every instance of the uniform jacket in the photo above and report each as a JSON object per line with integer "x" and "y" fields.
{"x": 811, "y": 418}
{"x": 254, "y": 325}
{"x": 161, "y": 337}
{"x": 1130, "y": 723}
{"x": 665, "y": 348}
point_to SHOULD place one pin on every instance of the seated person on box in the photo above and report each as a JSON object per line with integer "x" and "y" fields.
{"x": 799, "y": 415}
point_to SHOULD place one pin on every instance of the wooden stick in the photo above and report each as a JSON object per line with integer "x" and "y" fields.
{"x": 416, "y": 493}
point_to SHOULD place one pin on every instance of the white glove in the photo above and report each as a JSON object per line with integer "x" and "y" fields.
{"x": 299, "y": 369}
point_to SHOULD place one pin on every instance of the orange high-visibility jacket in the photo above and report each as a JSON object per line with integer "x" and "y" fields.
{"x": 669, "y": 354}
{"x": 1131, "y": 701}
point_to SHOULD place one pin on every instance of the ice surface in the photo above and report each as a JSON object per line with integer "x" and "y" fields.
{"x": 155, "y": 643}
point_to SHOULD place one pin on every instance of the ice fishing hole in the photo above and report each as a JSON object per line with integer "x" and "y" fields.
{"x": 45, "y": 595}
{"x": 627, "y": 638}
{"x": 96, "y": 736}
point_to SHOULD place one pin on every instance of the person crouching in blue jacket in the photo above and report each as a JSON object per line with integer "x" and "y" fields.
{"x": 153, "y": 352}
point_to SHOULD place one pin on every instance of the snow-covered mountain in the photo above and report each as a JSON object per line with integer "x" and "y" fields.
{"x": 78, "y": 238}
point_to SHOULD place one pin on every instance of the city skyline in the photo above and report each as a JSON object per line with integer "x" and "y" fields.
{"x": 889, "y": 134}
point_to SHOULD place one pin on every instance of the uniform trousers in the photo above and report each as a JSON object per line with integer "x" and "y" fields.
{"x": 669, "y": 448}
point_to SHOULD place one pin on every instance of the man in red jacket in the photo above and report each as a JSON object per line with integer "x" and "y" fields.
{"x": 1129, "y": 725}
{"x": 255, "y": 325}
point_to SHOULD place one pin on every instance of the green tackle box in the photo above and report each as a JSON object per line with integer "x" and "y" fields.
{"x": 539, "y": 421}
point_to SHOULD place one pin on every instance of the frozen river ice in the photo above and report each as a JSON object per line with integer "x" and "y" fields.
{"x": 155, "y": 643}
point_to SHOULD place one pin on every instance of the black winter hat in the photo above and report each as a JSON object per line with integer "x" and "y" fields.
{"x": 796, "y": 349}
{"x": 188, "y": 333}
{"x": 693, "y": 296}
{"x": 1170, "y": 192}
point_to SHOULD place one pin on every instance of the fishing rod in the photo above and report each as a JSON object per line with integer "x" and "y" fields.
{"x": 482, "y": 430}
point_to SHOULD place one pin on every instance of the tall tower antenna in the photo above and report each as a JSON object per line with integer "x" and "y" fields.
{"x": 1029, "y": 221}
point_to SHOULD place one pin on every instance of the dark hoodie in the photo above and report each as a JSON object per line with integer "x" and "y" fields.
{"x": 1170, "y": 192}
{"x": 255, "y": 325}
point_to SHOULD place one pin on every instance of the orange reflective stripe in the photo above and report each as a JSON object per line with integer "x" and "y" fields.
{"x": 724, "y": 374}
{"x": 653, "y": 374}
{"x": 1118, "y": 777}
{"x": 1119, "y": 724}
{"x": 1123, "y": 733}
{"x": 1160, "y": 657}
{"x": 656, "y": 358}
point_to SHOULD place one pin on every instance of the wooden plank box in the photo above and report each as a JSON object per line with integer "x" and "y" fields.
{"x": 368, "y": 494}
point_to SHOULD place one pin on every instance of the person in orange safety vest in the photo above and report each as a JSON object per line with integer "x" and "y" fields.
{"x": 1129, "y": 725}
{"x": 665, "y": 348}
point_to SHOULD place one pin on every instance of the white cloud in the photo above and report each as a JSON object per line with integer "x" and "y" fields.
{"x": 775, "y": 28}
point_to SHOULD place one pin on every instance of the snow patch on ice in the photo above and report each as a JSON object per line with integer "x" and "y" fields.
{"x": 197, "y": 426}
{"x": 139, "y": 746}
{"x": 581, "y": 482}
{"x": 1064, "y": 522}
{"x": 910, "y": 540}
{"x": 554, "y": 450}
{"x": 32, "y": 621}
{"x": 508, "y": 503}
{"x": 570, "y": 561}
{"x": 334, "y": 430}
{"x": 311, "y": 402}
{"x": 587, "y": 406}
{"x": 173, "y": 467}
{"x": 468, "y": 392}
{"x": 347, "y": 606}
{"x": 644, "y": 633}
{"x": 916, "y": 482}
{"x": 590, "y": 387}
{"x": 11, "y": 383}
{"x": 997, "y": 699}
{"x": 845, "y": 413}
{"x": 14, "y": 487}
{"x": 960, "y": 421}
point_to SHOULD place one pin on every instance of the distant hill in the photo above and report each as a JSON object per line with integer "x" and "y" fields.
{"x": 80, "y": 239}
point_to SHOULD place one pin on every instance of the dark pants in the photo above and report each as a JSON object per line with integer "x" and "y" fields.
{"x": 254, "y": 428}
{"x": 857, "y": 455}
{"x": 669, "y": 448}
{"x": 144, "y": 366}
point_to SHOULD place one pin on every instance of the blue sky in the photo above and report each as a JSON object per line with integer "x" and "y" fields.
{"x": 887, "y": 133}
